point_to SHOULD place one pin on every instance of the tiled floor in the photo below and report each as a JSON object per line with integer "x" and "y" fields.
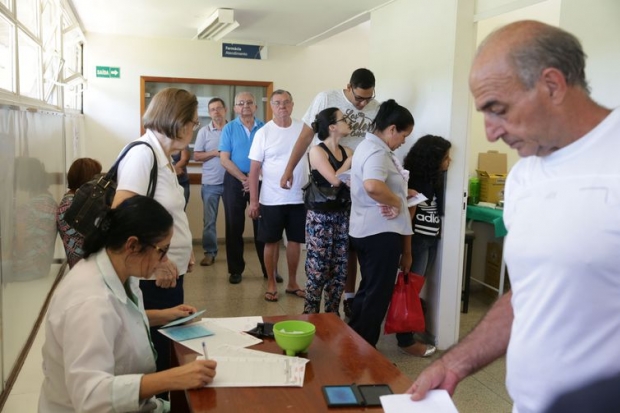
{"x": 208, "y": 288}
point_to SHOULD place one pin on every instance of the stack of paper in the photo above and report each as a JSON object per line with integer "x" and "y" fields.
{"x": 240, "y": 367}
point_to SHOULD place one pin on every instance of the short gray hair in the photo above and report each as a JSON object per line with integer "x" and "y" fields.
{"x": 550, "y": 47}
{"x": 281, "y": 92}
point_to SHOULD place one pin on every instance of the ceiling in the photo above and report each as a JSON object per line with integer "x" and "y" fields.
{"x": 262, "y": 22}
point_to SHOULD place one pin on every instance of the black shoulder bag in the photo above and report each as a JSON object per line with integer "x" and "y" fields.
{"x": 325, "y": 198}
{"x": 93, "y": 199}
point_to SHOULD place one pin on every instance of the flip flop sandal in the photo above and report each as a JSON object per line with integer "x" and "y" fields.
{"x": 271, "y": 296}
{"x": 297, "y": 293}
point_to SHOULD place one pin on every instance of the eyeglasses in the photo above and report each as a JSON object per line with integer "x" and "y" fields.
{"x": 162, "y": 251}
{"x": 278, "y": 103}
{"x": 345, "y": 120}
{"x": 196, "y": 124}
{"x": 242, "y": 103}
{"x": 361, "y": 99}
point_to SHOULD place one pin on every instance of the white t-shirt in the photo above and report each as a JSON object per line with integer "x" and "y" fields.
{"x": 96, "y": 343}
{"x": 360, "y": 120}
{"x": 562, "y": 213}
{"x": 272, "y": 146}
{"x": 134, "y": 173}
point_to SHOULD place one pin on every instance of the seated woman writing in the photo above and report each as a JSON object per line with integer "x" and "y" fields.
{"x": 97, "y": 355}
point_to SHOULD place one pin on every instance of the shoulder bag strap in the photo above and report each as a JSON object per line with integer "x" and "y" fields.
{"x": 111, "y": 175}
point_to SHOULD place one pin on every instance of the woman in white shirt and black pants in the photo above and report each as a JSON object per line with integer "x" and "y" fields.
{"x": 380, "y": 224}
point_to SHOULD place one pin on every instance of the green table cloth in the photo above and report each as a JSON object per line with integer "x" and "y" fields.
{"x": 489, "y": 215}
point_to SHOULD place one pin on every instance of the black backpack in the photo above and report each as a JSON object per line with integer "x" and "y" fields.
{"x": 93, "y": 199}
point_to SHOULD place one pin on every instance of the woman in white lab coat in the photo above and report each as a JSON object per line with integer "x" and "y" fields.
{"x": 97, "y": 355}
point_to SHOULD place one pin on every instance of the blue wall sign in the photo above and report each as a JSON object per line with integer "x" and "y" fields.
{"x": 244, "y": 51}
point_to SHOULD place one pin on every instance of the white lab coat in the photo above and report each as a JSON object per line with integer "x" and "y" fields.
{"x": 97, "y": 345}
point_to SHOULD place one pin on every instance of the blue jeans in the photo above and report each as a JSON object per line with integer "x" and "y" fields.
{"x": 423, "y": 251}
{"x": 211, "y": 195}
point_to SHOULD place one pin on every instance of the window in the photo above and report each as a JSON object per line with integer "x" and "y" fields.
{"x": 29, "y": 55}
{"x": 48, "y": 43}
{"x": 7, "y": 30}
{"x": 28, "y": 15}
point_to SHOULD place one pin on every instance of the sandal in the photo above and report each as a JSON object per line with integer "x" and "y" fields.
{"x": 297, "y": 293}
{"x": 271, "y": 296}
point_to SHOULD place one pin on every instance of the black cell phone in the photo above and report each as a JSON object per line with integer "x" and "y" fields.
{"x": 342, "y": 396}
{"x": 371, "y": 393}
{"x": 355, "y": 395}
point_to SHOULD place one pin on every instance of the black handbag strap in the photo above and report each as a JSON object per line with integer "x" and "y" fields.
{"x": 112, "y": 173}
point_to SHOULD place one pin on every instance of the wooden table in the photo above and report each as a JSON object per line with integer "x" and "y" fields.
{"x": 337, "y": 356}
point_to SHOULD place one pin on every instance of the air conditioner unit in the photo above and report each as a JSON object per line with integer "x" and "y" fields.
{"x": 218, "y": 25}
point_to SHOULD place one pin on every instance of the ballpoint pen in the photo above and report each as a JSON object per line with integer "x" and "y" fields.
{"x": 204, "y": 350}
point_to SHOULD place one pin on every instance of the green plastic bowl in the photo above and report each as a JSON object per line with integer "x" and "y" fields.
{"x": 294, "y": 336}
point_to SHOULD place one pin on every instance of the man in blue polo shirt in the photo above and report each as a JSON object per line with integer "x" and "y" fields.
{"x": 235, "y": 143}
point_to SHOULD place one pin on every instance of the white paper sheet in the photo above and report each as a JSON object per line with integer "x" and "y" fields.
{"x": 222, "y": 336}
{"x": 237, "y": 323}
{"x": 436, "y": 401}
{"x": 345, "y": 176}
{"x": 240, "y": 367}
{"x": 417, "y": 199}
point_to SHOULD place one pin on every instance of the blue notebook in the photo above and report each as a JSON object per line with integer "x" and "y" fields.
{"x": 188, "y": 332}
{"x": 183, "y": 320}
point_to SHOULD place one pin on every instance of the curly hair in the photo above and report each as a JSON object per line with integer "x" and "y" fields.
{"x": 423, "y": 161}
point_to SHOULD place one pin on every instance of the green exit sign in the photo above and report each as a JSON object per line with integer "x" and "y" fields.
{"x": 106, "y": 71}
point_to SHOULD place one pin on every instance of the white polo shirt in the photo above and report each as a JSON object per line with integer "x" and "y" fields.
{"x": 134, "y": 174}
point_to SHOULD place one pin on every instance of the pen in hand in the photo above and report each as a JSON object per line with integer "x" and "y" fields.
{"x": 204, "y": 350}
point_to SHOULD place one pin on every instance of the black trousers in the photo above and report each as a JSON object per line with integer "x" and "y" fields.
{"x": 235, "y": 202}
{"x": 156, "y": 298}
{"x": 378, "y": 256}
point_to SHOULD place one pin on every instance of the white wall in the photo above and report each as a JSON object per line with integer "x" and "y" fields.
{"x": 597, "y": 25}
{"x": 112, "y": 106}
{"x": 423, "y": 65}
{"x": 547, "y": 12}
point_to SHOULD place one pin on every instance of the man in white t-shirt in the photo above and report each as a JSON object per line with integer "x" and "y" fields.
{"x": 278, "y": 209}
{"x": 559, "y": 325}
{"x": 357, "y": 103}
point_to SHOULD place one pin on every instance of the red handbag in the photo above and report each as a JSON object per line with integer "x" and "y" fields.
{"x": 405, "y": 312}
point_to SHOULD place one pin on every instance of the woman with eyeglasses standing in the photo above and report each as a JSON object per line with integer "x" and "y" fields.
{"x": 97, "y": 355}
{"x": 170, "y": 121}
{"x": 327, "y": 231}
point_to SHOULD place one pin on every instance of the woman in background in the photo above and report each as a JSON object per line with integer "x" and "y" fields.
{"x": 81, "y": 171}
{"x": 380, "y": 225}
{"x": 97, "y": 355}
{"x": 170, "y": 121}
{"x": 427, "y": 163}
{"x": 327, "y": 238}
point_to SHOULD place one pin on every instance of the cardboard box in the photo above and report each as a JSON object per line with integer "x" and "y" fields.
{"x": 493, "y": 267}
{"x": 492, "y": 171}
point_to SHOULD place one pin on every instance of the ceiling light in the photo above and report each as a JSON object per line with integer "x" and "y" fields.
{"x": 218, "y": 25}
